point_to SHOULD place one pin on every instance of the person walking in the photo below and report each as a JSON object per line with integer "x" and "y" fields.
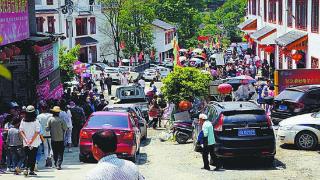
{"x": 43, "y": 120}
{"x": 142, "y": 82}
{"x": 57, "y": 128}
{"x": 154, "y": 113}
{"x": 78, "y": 119}
{"x": 104, "y": 145}
{"x": 108, "y": 82}
{"x": 208, "y": 143}
{"x": 15, "y": 146}
{"x": 102, "y": 84}
{"x": 29, "y": 130}
{"x": 66, "y": 116}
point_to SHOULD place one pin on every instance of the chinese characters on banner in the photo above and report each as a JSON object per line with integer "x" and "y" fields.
{"x": 297, "y": 77}
{"x": 46, "y": 63}
{"x": 14, "y": 23}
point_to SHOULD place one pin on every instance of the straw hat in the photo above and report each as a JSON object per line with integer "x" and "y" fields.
{"x": 56, "y": 109}
{"x": 30, "y": 109}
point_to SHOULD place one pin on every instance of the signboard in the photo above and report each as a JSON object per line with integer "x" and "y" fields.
{"x": 14, "y": 23}
{"x": 296, "y": 77}
{"x": 46, "y": 61}
{"x": 43, "y": 91}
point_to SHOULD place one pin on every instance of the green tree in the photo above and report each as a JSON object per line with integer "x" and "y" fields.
{"x": 112, "y": 27}
{"x": 135, "y": 21}
{"x": 184, "y": 14}
{"x": 66, "y": 61}
{"x": 185, "y": 82}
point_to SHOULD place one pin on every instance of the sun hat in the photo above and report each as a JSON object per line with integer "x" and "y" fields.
{"x": 30, "y": 109}
{"x": 56, "y": 109}
{"x": 203, "y": 116}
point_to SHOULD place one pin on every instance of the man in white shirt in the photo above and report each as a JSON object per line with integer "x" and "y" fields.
{"x": 109, "y": 166}
{"x": 142, "y": 82}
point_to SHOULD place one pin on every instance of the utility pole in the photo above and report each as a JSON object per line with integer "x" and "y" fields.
{"x": 68, "y": 9}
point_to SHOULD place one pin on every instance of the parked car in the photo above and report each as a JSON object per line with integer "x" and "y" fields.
{"x": 115, "y": 74}
{"x": 130, "y": 71}
{"x": 302, "y": 130}
{"x": 168, "y": 62}
{"x": 137, "y": 114}
{"x": 295, "y": 101}
{"x": 132, "y": 95}
{"x": 242, "y": 129}
{"x": 124, "y": 126}
{"x": 150, "y": 74}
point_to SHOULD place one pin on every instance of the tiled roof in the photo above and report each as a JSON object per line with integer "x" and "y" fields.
{"x": 246, "y": 23}
{"x": 262, "y": 32}
{"x": 290, "y": 37}
{"x": 162, "y": 24}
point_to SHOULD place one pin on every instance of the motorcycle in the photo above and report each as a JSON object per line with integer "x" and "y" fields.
{"x": 182, "y": 131}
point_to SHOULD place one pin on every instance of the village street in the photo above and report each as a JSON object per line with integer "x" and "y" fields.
{"x": 169, "y": 160}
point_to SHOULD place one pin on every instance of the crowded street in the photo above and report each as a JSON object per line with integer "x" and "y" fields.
{"x": 159, "y": 89}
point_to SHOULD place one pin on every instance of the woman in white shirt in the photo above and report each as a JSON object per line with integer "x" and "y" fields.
{"x": 29, "y": 130}
{"x": 65, "y": 115}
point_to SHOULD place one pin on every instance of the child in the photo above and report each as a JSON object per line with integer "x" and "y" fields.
{"x": 14, "y": 141}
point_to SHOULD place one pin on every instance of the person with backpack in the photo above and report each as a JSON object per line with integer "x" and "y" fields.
{"x": 78, "y": 119}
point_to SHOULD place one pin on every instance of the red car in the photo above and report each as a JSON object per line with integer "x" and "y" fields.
{"x": 124, "y": 126}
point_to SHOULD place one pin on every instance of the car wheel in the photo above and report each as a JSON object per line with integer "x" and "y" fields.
{"x": 306, "y": 140}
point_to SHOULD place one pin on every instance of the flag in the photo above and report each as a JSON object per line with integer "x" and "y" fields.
{"x": 4, "y": 72}
{"x": 176, "y": 52}
{"x": 131, "y": 60}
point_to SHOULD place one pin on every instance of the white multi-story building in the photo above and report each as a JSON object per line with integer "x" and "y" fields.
{"x": 290, "y": 26}
{"x": 163, "y": 34}
{"x": 87, "y": 26}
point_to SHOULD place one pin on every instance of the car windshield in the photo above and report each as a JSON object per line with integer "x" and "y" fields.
{"x": 112, "y": 121}
{"x": 290, "y": 95}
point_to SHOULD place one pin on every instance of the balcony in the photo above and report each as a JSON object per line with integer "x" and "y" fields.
{"x": 88, "y": 9}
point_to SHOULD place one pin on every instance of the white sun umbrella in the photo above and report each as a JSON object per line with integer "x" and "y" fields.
{"x": 182, "y": 58}
{"x": 183, "y": 50}
{"x": 197, "y": 50}
{"x": 125, "y": 60}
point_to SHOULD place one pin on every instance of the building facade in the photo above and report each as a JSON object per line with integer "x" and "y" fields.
{"x": 163, "y": 34}
{"x": 290, "y": 27}
{"x": 87, "y": 26}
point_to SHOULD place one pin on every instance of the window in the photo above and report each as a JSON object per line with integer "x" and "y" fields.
{"x": 315, "y": 16}
{"x": 272, "y": 11}
{"x": 168, "y": 37}
{"x": 92, "y": 21}
{"x": 81, "y": 26}
{"x": 39, "y": 21}
{"x": 301, "y": 14}
{"x": 83, "y": 57}
{"x": 314, "y": 63}
{"x": 265, "y": 10}
{"x": 280, "y": 11}
{"x": 92, "y": 54}
{"x": 289, "y": 17}
{"x": 49, "y": 2}
{"x": 108, "y": 121}
{"x": 51, "y": 21}
{"x": 254, "y": 7}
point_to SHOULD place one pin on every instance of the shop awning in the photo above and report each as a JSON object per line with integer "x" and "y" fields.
{"x": 86, "y": 41}
{"x": 293, "y": 40}
{"x": 263, "y": 33}
{"x": 248, "y": 25}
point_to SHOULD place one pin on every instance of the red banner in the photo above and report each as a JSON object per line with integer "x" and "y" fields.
{"x": 296, "y": 77}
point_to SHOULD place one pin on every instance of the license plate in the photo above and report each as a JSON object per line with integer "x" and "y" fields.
{"x": 246, "y": 132}
{"x": 283, "y": 107}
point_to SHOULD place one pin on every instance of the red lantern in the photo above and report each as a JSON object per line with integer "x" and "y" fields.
{"x": 224, "y": 88}
{"x": 246, "y": 36}
{"x": 36, "y": 49}
{"x": 269, "y": 49}
{"x": 297, "y": 57}
{"x": 261, "y": 46}
{"x": 16, "y": 50}
{"x": 9, "y": 52}
{"x": 251, "y": 40}
{"x": 185, "y": 105}
{"x": 3, "y": 56}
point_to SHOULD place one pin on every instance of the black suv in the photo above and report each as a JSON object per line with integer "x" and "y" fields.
{"x": 296, "y": 100}
{"x": 242, "y": 129}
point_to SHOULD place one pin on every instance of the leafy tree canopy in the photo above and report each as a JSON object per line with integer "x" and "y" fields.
{"x": 66, "y": 61}
{"x": 185, "y": 82}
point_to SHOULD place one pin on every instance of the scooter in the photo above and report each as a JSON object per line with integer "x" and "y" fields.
{"x": 182, "y": 131}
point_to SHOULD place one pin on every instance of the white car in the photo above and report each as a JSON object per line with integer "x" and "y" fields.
{"x": 168, "y": 62}
{"x": 150, "y": 74}
{"x": 302, "y": 130}
{"x": 115, "y": 74}
{"x": 164, "y": 72}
